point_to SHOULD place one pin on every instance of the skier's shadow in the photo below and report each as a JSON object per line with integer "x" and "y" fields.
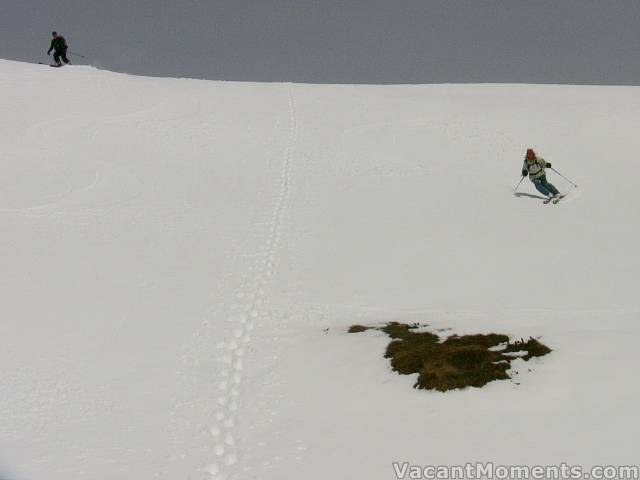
{"x": 522, "y": 194}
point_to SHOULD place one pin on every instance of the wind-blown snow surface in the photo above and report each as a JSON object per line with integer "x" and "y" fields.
{"x": 180, "y": 261}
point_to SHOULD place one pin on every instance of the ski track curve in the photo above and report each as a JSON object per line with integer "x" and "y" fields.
{"x": 251, "y": 308}
{"x": 83, "y": 126}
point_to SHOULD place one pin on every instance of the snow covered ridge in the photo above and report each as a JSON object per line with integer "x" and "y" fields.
{"x": 181, "y": 260}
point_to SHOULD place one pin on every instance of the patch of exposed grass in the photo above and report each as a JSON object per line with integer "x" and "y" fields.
{"x": 532, "y": 346}
{"x": 457, "y": 362}
{"x": 358, "y": 328}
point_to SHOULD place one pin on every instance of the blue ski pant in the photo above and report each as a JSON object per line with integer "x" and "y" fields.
{"x": 544, "y": 187}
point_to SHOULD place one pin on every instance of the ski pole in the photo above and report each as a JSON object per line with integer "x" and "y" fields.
{"x": 574, "y": 185}
{"x": 76, "y": 54}
{"x": 516, "y": 187}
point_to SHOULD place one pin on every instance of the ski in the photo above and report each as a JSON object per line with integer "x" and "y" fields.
{"x": 555, "y": 200}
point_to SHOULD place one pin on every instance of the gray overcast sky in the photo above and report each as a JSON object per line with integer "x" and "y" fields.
{"x": 333, "y": 41}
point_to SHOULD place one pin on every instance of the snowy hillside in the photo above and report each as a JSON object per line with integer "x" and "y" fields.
{"x": 181, "y": 259}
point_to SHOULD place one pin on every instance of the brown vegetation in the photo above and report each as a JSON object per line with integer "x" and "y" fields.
{"x": 456, "y": 362}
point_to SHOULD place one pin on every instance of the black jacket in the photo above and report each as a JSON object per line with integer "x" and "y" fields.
{"x": 59, "y": 44}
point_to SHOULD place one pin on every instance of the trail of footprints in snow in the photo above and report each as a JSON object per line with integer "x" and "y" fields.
{"x": 251, "y": 300}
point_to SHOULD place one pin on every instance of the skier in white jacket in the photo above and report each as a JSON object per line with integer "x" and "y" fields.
{"x": 534, "y": 167}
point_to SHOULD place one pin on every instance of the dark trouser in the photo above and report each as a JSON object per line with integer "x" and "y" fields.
{"x": 60, "y": 54}
{"x": 544, "y": 187}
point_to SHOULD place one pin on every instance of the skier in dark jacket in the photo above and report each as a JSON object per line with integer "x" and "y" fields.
{"x": 59, "y": 46}
{"x": 534, "y": 167}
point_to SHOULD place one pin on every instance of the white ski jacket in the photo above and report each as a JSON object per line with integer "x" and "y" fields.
{"x": 535, "y": 169}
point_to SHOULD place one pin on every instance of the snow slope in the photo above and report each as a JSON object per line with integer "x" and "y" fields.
{"x": 181, "y": 259}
